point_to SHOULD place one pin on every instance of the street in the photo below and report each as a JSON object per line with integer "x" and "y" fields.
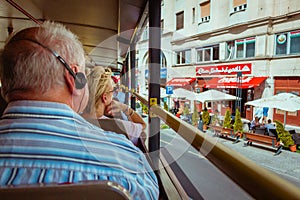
{"x": 212, "y": 183}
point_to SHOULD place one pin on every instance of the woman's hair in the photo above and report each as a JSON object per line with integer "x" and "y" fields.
{"x": 26, "y": 65}
{"x": 98, "y": 79}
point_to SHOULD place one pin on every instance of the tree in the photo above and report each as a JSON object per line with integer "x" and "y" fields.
{"x": 227, "y": 120}
{"x": 205, "y": 116}
{"x": 238, "y": 124}
{"x": 284, "y": 135}
{"x": 186, "y": 110}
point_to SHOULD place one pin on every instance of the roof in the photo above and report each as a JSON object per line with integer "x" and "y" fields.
{"x": 102, "y": 26}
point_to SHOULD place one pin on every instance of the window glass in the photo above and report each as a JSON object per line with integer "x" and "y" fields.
{"x": 216, "y": 53}
{"x": 281, "y": 44}
{"x": 240, "y": 50}
{"x": 295, "y": 43}
{"x": 245, "y": 48}
{"x": 187, "y": 56}
{"x": 207, "y": 54}
{"x": 199, "y": 55}
{"x": 250, "y": 49}
{"x": 179, "y": 20}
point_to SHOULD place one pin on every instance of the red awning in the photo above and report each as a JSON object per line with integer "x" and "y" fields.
{"x": 231, "y": 82}
{"x": 180, "y": 81}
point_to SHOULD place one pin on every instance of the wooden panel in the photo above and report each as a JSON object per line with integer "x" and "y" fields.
{"x": 205, "y": 9}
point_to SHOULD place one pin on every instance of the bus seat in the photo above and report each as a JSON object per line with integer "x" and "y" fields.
{"x": 86, "y": 190}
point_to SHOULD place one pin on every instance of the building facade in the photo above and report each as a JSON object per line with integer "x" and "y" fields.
{"x": 249, "y": 48}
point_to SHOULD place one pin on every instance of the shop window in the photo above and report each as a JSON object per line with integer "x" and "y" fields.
{"x": 210, "y": 53}
{"x": 287, "y": 43}
{"x": 183, "y": 57}
{"x": 179, "y": 20}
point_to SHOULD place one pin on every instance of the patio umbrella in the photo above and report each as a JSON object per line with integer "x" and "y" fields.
{"x": 180, "y": 92}
{"x": 214, "y": 95}
{"x": 283, "y": 101}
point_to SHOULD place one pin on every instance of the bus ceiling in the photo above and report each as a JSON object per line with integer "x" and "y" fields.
{"x": 101, "y": 25}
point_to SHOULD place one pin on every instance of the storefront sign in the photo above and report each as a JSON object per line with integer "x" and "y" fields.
{"x": 230, "y": 69}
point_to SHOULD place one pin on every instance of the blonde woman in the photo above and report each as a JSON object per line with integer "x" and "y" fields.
{"x": 102, "y": 106}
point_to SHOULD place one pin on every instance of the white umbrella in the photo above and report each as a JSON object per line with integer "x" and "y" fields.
{"x": 215, "y": 95}
{"x": 283, "y": 101}
{"x": 180, "y": 92}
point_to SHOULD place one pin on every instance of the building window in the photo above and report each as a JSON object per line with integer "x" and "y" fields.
{"x": 179, "y": 20}
{"x": 193, "y": 15}
{"x": 287, "y": 43}
{"x": 205, "y": 11}
{"x": 239, "y": 5}
{"x": 162, "y": 24}
{"x": 245, "y": 48}
{"x": 210, "y": 53}
{"x": 183, "y": 57}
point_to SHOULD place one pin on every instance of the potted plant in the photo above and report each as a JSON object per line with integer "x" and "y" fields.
{"x": 284, "y": 136}
{"x": 227, "y": 120}
{"x": 238, "y": 125}
{"x": 195, "y": 117}
{"x": 205, "y": 118}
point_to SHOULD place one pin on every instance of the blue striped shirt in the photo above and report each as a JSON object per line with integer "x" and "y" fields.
{"x": 46, "y": 142}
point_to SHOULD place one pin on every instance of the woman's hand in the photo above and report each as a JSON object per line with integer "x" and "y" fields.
{"x": 115, "y": 108}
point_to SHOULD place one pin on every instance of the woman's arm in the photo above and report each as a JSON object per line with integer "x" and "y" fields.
{"x": 116, "y": 107}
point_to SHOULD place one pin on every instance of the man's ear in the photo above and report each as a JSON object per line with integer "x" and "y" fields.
{"x": 70, "y": 81}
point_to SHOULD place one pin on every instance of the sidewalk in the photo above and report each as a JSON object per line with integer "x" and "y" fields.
{"x": 287, "y": 163}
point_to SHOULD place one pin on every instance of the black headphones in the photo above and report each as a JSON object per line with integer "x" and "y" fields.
{"x": 79, "y": 77}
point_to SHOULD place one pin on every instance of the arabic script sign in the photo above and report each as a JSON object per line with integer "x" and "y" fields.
{"x": 230, "y": 69}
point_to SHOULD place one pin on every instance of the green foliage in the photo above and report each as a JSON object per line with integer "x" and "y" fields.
{"x": 205, "y": 116}
{"x": 186, "y": 110}
{"x": 284, "y": 135}
{"x": 227, "y": 120}
{"x": 165, "y": 106}
{"x": 138, "y": 105}
{"x": 238, "y": 124}
{"x": 164, "y": 126}
{"x": 144, "y": 108}
{"x": 195, "y": 117}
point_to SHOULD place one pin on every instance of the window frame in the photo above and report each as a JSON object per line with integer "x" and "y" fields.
{"x": 244, "y": 42}
{"x": 288, "y": 42}
{"x": 211, "y": 48}
{"x": 182, "y": 57}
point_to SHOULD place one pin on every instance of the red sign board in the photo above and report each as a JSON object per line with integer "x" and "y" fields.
{"x": 230, "y": 69}
{"x": 230, "y": 82}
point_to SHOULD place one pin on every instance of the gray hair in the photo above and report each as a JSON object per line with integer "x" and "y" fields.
{"x": 26, "y": 65}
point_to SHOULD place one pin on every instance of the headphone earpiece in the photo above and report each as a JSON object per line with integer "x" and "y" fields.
{"x": 80, "y": 80}
{"x": 79, "y": 77}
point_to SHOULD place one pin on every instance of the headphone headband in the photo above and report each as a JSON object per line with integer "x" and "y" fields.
{"x": 79, "y": 77}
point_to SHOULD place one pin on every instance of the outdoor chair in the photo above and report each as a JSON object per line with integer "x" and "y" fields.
{"x": 273, "y": 132}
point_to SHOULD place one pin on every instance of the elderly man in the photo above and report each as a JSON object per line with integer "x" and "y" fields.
{"x": 43, "y": 139}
